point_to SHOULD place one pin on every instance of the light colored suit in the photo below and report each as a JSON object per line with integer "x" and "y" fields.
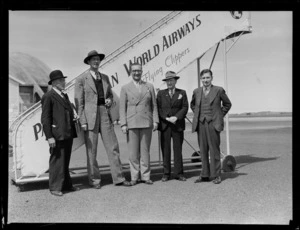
{"x": 138, "y": 111}
{"x": 98, "y": 119}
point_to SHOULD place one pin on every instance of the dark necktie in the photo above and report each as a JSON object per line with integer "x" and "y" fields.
{"x": 98, "y": 76}
{"x": 171, "y": 93}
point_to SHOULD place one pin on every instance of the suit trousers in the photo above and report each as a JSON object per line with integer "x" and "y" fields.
{"x": 59, "y": 176}
{"x": 103, "y": 125}
{"x": 177, "y": 137}
{"x": 139, "y": 141}
{"x": 209, "y": 141}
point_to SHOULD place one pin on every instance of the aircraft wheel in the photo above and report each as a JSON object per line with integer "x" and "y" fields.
{"x": 228, "y": 163}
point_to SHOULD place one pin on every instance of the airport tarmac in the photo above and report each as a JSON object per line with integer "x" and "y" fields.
{"x": 259, "y": 191}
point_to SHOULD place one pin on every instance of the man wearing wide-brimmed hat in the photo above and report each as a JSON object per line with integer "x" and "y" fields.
{"x": 58, "y": 120}
{"x": 93, "y": 99}
{"x": 172, "y": 104}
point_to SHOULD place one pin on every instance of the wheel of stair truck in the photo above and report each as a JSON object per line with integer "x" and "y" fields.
{"x": 196, "y": 157}
{"x": 228, "y": 163}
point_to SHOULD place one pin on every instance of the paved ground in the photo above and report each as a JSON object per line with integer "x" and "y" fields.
{"x": 259, "y": 191}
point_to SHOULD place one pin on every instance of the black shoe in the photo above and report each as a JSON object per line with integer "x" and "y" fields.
{"x": 56, "y": 193}
{"x": 165, "y": 178}
{"x": 133, "y": 182}
{"x": 217, "y": 180}
{"x": 96, "y": 186}
{"x": 124, "y": 183}
{"x": 72, "y": 189}
{"x": 180, "y": 178}
{"x": 147, "y": 182}
{"x": 202, "y": 179}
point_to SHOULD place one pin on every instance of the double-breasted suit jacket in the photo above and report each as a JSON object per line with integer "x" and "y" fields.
{"x": 57, "y": 120}
{"x": 138, "y": 109}
{"x": 176, "y": 106}
{"x": 219, "y": 110}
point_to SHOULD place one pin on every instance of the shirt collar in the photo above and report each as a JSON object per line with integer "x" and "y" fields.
{"x": 137, "y": 83}
{"x": 208, "y": 88}
{"x": 93, "y": 73}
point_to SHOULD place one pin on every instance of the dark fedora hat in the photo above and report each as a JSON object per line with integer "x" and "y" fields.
{"x": 55, "y": 74}
{"x": 92, "y": 54}
{"x": 169, "y": 75}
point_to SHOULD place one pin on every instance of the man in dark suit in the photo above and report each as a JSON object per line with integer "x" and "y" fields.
{"x": 210, "y": 104}
{"x": 172, "y": 104}
{"x": 59, "y": 127}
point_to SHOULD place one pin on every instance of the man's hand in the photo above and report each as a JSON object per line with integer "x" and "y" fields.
{"x": 155, "y": 125}
{"x": 84, "y": 127}
{"x": 172, "y": 119}
{"x": 51, "y": 142}
{"x": 124, "y": 129}
{"x": 108, "y": 102}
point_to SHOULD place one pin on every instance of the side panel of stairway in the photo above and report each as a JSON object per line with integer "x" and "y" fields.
{"x": 170, "y": 45}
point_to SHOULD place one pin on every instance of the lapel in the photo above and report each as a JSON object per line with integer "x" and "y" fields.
{"x": 132, "y": 88}
{"x": 59, "y": 99}
{"x": 144, "y": 90}
{"x": 90, "y": 81}
{"x": 212, "y": 93}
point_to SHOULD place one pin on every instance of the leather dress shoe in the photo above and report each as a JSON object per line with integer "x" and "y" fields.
{"x": 73, "y": 189}
{"x": 56, "y": 193}
{"x": 147, "y": 181}
{"x": 133, "y": 182}
{"x": 124, "y": 183}
{"x": 181, "y": 178}
{"x": 96, "y": 186}
{"x": 202, "y": 179}
{"x": 217, "y": 180}
{"x": 165, "y": 178}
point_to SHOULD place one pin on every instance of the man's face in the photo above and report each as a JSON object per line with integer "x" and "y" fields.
{"x": 94, "y": 62}
{"x": 171, "y": 83}
{"x": 136, "y": 72}
{"x": 59, "y": 83}
{"x": 206, "y": 79}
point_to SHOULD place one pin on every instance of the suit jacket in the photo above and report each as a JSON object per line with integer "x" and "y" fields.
{"x": 86, "y": 97}
{"x": 167, "y": 107}
{"x": 217, "y": 96}
{"x": 57, "y": 117}
{"x": 138, "y": 109}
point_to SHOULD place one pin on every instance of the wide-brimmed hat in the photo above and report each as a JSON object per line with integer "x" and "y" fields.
{"x": 55, "y": 74}
{"x": 92, "y": 54}
{"x": 169, "y": 75}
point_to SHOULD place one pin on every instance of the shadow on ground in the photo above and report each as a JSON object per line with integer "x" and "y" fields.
{"x": 244, "y": 160}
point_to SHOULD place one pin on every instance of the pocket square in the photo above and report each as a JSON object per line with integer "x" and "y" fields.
{"x": 180, "y": 96}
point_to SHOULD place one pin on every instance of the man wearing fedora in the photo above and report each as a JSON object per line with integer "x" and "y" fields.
{"x": 172, "y": 104}
{"x": 138, "y": 118}
{"x": 210, "y": 104}
{"x": 58, "y": 120}
{"x": 93, "y": 98}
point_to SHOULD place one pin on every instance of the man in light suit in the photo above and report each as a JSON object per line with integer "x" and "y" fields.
{"x": 210, "y": 104}
{"x": 58, "y": 122}
{"x": 93, "y": 98}
{"x": 172, "y": 104}
{"x": 138, "y": 117}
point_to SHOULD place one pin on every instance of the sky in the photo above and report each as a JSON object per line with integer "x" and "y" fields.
{"x": 259, "y": 65}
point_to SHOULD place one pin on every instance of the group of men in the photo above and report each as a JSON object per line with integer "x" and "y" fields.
{"x": 141, "y": 113}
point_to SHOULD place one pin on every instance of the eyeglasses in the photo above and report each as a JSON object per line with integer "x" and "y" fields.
{"x": 137, "y": 71}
